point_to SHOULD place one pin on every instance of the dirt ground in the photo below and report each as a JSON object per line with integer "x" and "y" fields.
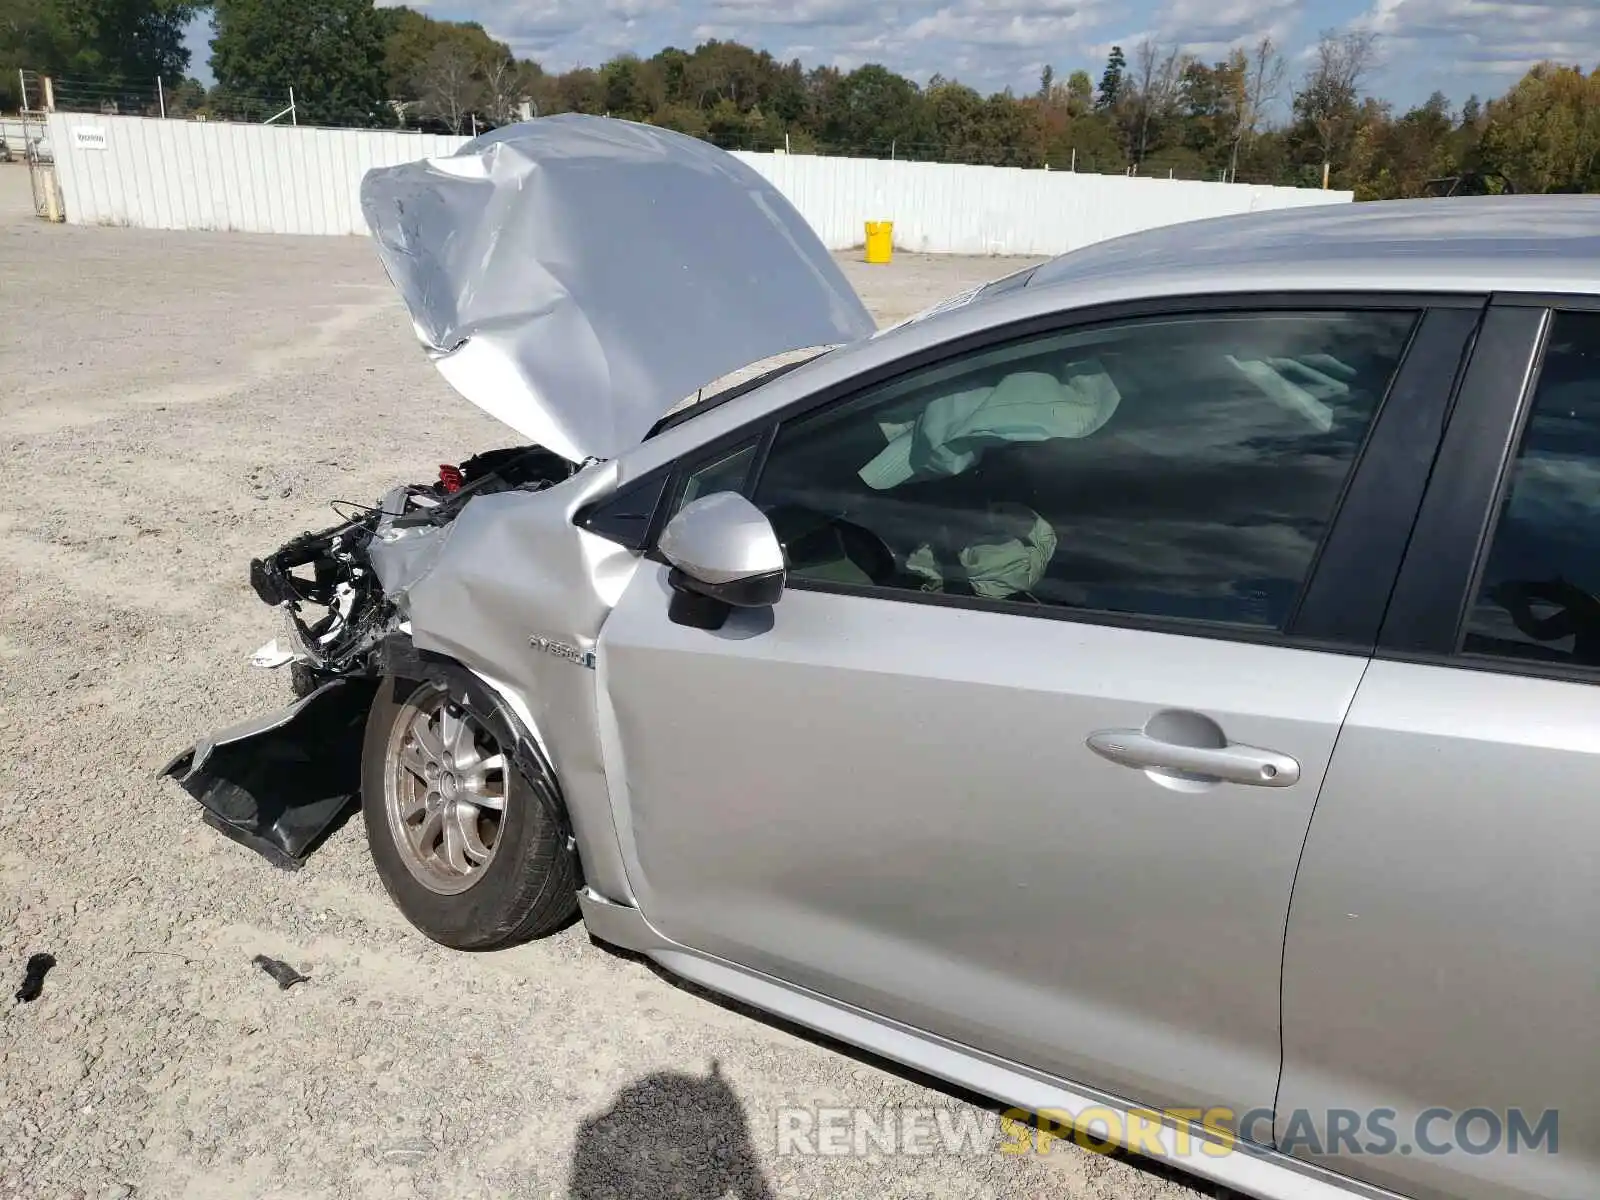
{"x": 171, "y": 404}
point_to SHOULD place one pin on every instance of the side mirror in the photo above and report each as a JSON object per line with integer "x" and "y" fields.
{"x": 724, "y": 555}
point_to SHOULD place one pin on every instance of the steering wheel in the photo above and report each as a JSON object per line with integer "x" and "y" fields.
{"x": 811, "y": 538}
{"x": 1577, "y": 613}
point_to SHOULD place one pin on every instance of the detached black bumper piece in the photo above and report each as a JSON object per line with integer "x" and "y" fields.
{"x": 278, "y": 784}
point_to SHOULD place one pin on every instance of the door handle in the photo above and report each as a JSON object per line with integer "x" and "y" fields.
{"x": 1232, "y": 763}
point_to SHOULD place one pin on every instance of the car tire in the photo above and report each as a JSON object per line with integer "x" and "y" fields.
{"x": 428, "y": 813}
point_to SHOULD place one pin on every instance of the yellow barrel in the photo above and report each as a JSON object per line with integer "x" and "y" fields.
{"x": 880, "y": 241}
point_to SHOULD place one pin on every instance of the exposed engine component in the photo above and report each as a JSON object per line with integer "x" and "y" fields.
{"x": 324, "y": 581}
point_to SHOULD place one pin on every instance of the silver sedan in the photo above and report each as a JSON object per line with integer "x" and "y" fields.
{"x": 1157, "y": 689}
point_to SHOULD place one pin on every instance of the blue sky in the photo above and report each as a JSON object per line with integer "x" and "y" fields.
{"x": 1458, "y": 46}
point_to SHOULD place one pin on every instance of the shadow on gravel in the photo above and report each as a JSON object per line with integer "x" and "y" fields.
{"x": 669, "y": 1135}
{"x": 1153, "y": 1167}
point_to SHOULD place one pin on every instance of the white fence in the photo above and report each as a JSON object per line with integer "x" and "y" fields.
{"x": 948, "y": 209}
{"x": 157, "y": 174}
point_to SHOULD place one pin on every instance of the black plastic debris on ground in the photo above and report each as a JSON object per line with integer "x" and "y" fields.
{"x": 33, "y": 981}
{"x": 286, "y": 975}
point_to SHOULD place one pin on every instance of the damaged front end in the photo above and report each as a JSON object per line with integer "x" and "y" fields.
{"x": 279, "y": 784}
{"x": 577, "y": 278}
{"x": 341, "y": 589}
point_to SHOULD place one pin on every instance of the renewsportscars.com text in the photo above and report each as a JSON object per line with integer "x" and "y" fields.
{"x": 1211, "y": 1132}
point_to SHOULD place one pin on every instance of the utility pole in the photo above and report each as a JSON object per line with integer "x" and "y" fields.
{"x": 161, "y": 95}
{"x": 294, "y": 117}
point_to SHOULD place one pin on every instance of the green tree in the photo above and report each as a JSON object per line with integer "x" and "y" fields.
{"x": 1151, "y": 101}
{"x": 1421, "y": 146}
{"x": 579, "y": 90}
{"x": 448, "y": 83}
{"x": 29, "y": 37}
{"x": 625, "y": 88}
{"x": 685, "y": 118}
{"x": 125, "y": 40}
{"x": 1111, "y": 82}
{"x": 1544, "y": 135}
{"x": 1080, "y": 93}
{"x": 331, "y": 52}
{"x": 452, "y": 72}
{"x": 786, "y": 102}
{"x": 1468, "y": 136}
{"x": 729, "y": 71}
{"x": 408, "y": 38}
{"x": 822, "y": 91}
{"x": 672, "y": 65}
{"x": 1212, "y": 110}
{"x": 351, "y": 63}
{"x": 109, "y": 43}
{"x": 1166, "y": 112}
{"x": 956, "y": 120}
{"x": 1327, "y": 107}
{"x": 1010, "y": 132}
{"x": 729, "y": 127}
{"x": 186, "y": 98}
{"x": 1267, "y": 157}
{"x": 1261, "y": 84}
{"x": 508, "y": 82}
{"x": 1082, "y": 140}
{"x": 873, "y": 110}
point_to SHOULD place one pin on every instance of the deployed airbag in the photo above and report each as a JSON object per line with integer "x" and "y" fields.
{"x": 945, "y": 436}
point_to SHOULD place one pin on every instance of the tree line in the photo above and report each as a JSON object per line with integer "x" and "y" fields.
{"x": 1154, "y": 110}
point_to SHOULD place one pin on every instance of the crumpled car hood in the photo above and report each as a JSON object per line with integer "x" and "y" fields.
{"x": 577, "y": 277}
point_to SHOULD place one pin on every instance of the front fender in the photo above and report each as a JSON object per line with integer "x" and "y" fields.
{"x": 518, "y": 595}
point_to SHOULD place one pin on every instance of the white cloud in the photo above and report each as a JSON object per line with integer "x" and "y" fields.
{"x": 819, "y": 13}
{"x": 1459, "y": 45}
{"x": 534, "y": 26}
{"x": 1210, "y": 28}
{"x": 1023, "y": 24}
{"x": 833, "y": 30}
{"x": 1479, "y": 38}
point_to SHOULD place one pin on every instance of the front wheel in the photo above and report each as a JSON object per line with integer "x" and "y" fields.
{"x": 459, "y": 836}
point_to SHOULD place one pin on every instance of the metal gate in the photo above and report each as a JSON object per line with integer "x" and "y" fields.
{"x": 41, "y": 160}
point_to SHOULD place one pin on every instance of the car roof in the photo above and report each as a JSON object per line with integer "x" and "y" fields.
{"x": 1474, "y": 245}
{"x": 1540, "y": 243}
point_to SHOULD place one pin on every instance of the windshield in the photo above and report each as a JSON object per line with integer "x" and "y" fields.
{"x": 705, "y": 404}
{"x": 1006, "y": 283}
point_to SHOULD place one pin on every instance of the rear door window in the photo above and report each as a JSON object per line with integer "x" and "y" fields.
{"x": 1539, "y": 595}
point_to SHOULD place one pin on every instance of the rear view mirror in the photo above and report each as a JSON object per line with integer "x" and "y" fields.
{"x": 724, "y": 555}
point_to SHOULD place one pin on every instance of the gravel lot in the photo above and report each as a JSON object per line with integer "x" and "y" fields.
{"x": 172, "y": 404}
